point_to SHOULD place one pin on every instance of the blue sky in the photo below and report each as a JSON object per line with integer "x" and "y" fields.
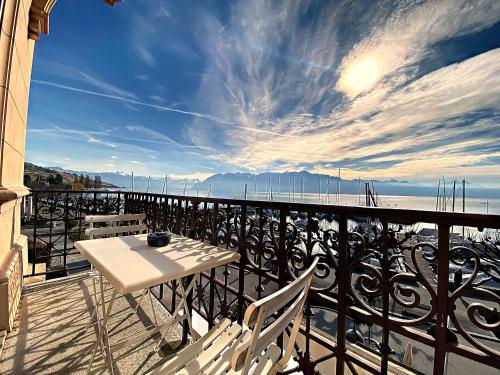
{"x": 387, "y": 89}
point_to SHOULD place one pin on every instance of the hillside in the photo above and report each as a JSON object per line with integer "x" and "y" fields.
{"x": 156, "y": 184}
{"x": 41, "y": 177}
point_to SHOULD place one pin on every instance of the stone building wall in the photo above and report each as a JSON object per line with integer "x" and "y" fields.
{"x": 16, "y": 55}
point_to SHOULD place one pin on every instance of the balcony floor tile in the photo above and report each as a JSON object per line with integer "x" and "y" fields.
{"x": 50, "y": 336}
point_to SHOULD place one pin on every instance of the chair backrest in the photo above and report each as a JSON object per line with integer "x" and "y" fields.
{"x": 115, "y": 229}
{"x": 294, "y": 296}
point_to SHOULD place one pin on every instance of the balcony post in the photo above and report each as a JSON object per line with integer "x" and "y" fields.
{"x": 385, "y": 299}
{"x": 282, "y": 259}
{"x": 309, "y": 369}
{"x": 178, "y": 217}
{"x": 33, "y": 242}
{"x": 242, "y": 262}
{"x": 66, "y": 228}
{"x": 442, "y": 299}
{"x": 213, "y": 241}
{"x": 342, "y": 290}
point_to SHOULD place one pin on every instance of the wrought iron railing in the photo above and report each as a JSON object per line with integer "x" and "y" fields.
{"x": 377, "y": 288}
{"x": 54, "y": 219}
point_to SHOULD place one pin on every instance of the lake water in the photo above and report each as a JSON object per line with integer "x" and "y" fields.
{"x": 472, "y": 205}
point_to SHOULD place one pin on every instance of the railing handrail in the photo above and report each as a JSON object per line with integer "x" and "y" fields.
{"x": 400, "y": 215}
{"x": 391, "y": 214}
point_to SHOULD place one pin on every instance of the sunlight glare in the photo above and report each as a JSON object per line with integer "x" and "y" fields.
{"x": 358, "y": 76}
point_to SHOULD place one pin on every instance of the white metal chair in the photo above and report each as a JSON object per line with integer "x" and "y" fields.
{"x": 114, "y": 229}
{"x": 229, "y": 348}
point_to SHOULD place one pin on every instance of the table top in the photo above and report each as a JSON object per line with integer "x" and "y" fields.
{"x": 130, "y": 264}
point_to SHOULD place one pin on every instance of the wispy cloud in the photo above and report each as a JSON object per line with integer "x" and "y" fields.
{"x": 144, "y": 54}
{"x": 302, "y": 90}
{"x": 131, "y": 101}
{"x": 90, "y": 136}
{"x": 204, "y": 116}
{"x": 82, "y": 75}
{"x": 384, "y": 89}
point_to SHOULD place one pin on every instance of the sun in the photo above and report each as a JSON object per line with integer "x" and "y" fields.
{"x": 358, "y": 76}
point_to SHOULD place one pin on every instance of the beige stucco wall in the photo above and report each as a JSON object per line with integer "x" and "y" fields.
{"x": 16, "y": 56}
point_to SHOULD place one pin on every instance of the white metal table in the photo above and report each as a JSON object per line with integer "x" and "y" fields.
{"x": 130, "y": 265}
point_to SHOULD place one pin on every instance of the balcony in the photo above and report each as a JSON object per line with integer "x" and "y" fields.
{"x": 380, "y": 291}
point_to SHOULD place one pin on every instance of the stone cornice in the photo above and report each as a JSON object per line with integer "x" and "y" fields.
{"x": 12, "y": 193}
{"x": 39, "y": 18}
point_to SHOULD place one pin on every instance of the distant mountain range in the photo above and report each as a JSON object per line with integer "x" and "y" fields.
{"x": 233, "y": 184}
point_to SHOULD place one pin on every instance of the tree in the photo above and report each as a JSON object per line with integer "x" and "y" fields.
{"x": 81, "y": 179}
{"x": 51, "y": 180}
{"x": 27, "y": 180}
{"x": 87, "y": 182}
{"x": 59, "y": 179}
{"x": 77, "y": 186}
{"x": 75, "y": 179}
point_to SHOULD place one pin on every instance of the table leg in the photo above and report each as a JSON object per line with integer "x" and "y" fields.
{"x": 103, "y": 330}
{"x": 152, "y": 307}
{"x": 183, "y": 304}
{"x": 186, "y": 300}
{"x": 140, "y": 299}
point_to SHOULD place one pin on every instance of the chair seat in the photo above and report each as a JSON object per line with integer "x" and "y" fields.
{"x": 194, "y": 358}
{"x": 94, "y": 274}
{"x": 211, "y": 354}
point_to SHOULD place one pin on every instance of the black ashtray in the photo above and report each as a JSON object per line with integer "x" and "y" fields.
{"x": 158, "y": 239}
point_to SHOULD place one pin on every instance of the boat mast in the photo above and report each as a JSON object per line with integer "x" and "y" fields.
{"x": 453, "y": 201}
{"x": 444, "y": 194}
{"x": 463, "y": 207}
{"x": 437, "y": 195}
{"x": 164, "y": 188}
{"x": 279, "y": 186}
{"x": 302, "y": 191}
{"x": 359, "y": 191}
{"x": 328, "y": 190}
{"x": 319, "y": 190}
{"x": 338, "y": 190}
{"x": 270, "y": 189}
